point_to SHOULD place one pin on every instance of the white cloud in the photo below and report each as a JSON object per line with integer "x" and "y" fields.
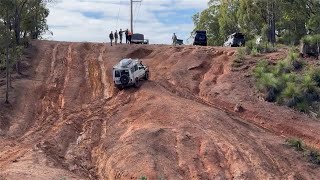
{"x": 68, "y": 22}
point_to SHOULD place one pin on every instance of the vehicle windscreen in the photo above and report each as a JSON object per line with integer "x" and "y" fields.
{"x": 119, "y": 73}
{"x": 201, "y": 37}
{"x": 239, "y": 36}
{"x": 138, "y": 37}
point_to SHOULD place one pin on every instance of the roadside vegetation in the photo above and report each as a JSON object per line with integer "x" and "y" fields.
{"x": 289, "y": 82}
{"x": 311, "y": 154}
{"x": 238, "y": 61}
{"x": 20, "y": 21}
{"x": 283, "y": 22}
{"x": 311, "y": 45}
{"x": 254, "y": 49}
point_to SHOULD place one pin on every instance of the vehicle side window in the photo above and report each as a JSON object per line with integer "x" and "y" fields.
{"x": 132, "y": 70}
{"x": 136, "y": 67}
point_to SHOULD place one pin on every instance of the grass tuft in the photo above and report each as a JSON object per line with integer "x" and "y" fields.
{"x": 296, "y": 143}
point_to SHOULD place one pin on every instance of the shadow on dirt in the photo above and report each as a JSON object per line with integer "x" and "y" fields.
{"x": 140, "y": 53}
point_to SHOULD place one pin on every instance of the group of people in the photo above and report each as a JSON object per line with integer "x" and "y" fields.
{"x": 118, "y": 35}
{"x": 115, "y": 36}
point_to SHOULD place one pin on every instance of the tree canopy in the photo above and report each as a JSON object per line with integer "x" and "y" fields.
{"x": 20, "y": 20}
{"x": 285, "y": 20}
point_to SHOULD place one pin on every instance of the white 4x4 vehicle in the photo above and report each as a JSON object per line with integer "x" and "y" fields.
{"x": 129, "y": 72}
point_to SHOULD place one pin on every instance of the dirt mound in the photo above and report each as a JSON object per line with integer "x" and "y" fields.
{"x": 140, "y": 53}
{"x": 66, "y": 120}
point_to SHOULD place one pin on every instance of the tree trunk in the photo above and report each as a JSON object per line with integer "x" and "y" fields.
{"x": 16, "y": 59}
{"x": 271, "y": 22}
{"x": 7, "y": 61}
{"x": 7, "y": 74}
{"x": 318, "y": 48}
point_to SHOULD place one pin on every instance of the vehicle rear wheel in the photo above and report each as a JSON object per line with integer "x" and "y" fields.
{"x": 120, "y": 88}
{"x": 124, "y": 79}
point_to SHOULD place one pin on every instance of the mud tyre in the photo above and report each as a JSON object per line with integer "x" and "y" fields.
{"x": 146, "y": 76}
{"x": 124, "y": 79}
{"x": 120, "y": 88}
{"x": 137, "y": 83}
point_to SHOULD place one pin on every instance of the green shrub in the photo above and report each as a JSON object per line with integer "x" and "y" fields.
{"x": 289, "y": 38}
{"x": 290, "y": 94}
{"x": 312, "y": 154}
{"x": 249, "y": 46}
{"x": 239, "y": 59}
{"x": 264, "y": 47}
{"x": 296, "y": 143}
{"x": 281, "y": 67}
{"x": 261, "y": 68}
{"x": 311, "y": 39}
{"x": 303, "y": 106}
{"x": 315, "y": 74}
{"x": 268, "y": 48}
{"x": 241, "y": 53}
{"x": 267, "y": 81}
{"x": 293, "y": 60}
{"x": 286, "y": 85}
{"x": 254, "y": 52}
{"x": 308, "y": 85}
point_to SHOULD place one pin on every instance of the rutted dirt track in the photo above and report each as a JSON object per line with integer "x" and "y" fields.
{"x": 68, "y": 121}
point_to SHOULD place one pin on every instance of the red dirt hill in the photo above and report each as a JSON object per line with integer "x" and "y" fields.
{"x": 66, "y": 119}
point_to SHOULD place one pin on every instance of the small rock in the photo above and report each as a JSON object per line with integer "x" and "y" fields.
{"x": 238, "y": 108}
{"x": 247, "y": 75}
{"x": 230, "y": 53}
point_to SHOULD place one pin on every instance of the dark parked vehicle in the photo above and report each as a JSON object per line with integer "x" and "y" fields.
{"x": 179, "y": 41}
{"x": 200, "y": 38}
{"x": 235, "y": 40}
{"x": 137, "y": 38}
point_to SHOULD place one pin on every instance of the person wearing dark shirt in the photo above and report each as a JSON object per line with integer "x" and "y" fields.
{"x": 120, "y": 35}
{"x": 116, "y": 37}
{"x": 111, "y": 37}
{"x": 127, "y": 36}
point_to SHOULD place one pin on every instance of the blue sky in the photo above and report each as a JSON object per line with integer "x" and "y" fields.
{"x": 92, "y": 20}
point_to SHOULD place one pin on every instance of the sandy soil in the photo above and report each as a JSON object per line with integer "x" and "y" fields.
{"x": 67, "y": 121}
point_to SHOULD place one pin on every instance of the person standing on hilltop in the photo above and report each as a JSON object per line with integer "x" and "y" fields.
{"x": 111, "y": 37}
{"x": 120, "y": 35}
{"x": 116, "y": 37}
{"x": 127, "y": 35}
{"x": 174, "y": 39}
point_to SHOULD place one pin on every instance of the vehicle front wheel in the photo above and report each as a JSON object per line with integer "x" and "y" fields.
{"x": 137, "y": 83}
{"x": 146, "y": 76}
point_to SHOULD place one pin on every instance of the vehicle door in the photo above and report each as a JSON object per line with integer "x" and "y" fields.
{"x": 136, "y": 73}
{"x": 141, "y": 70}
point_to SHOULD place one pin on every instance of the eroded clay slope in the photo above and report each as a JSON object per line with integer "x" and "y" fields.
{"x": 68, "y": 121}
